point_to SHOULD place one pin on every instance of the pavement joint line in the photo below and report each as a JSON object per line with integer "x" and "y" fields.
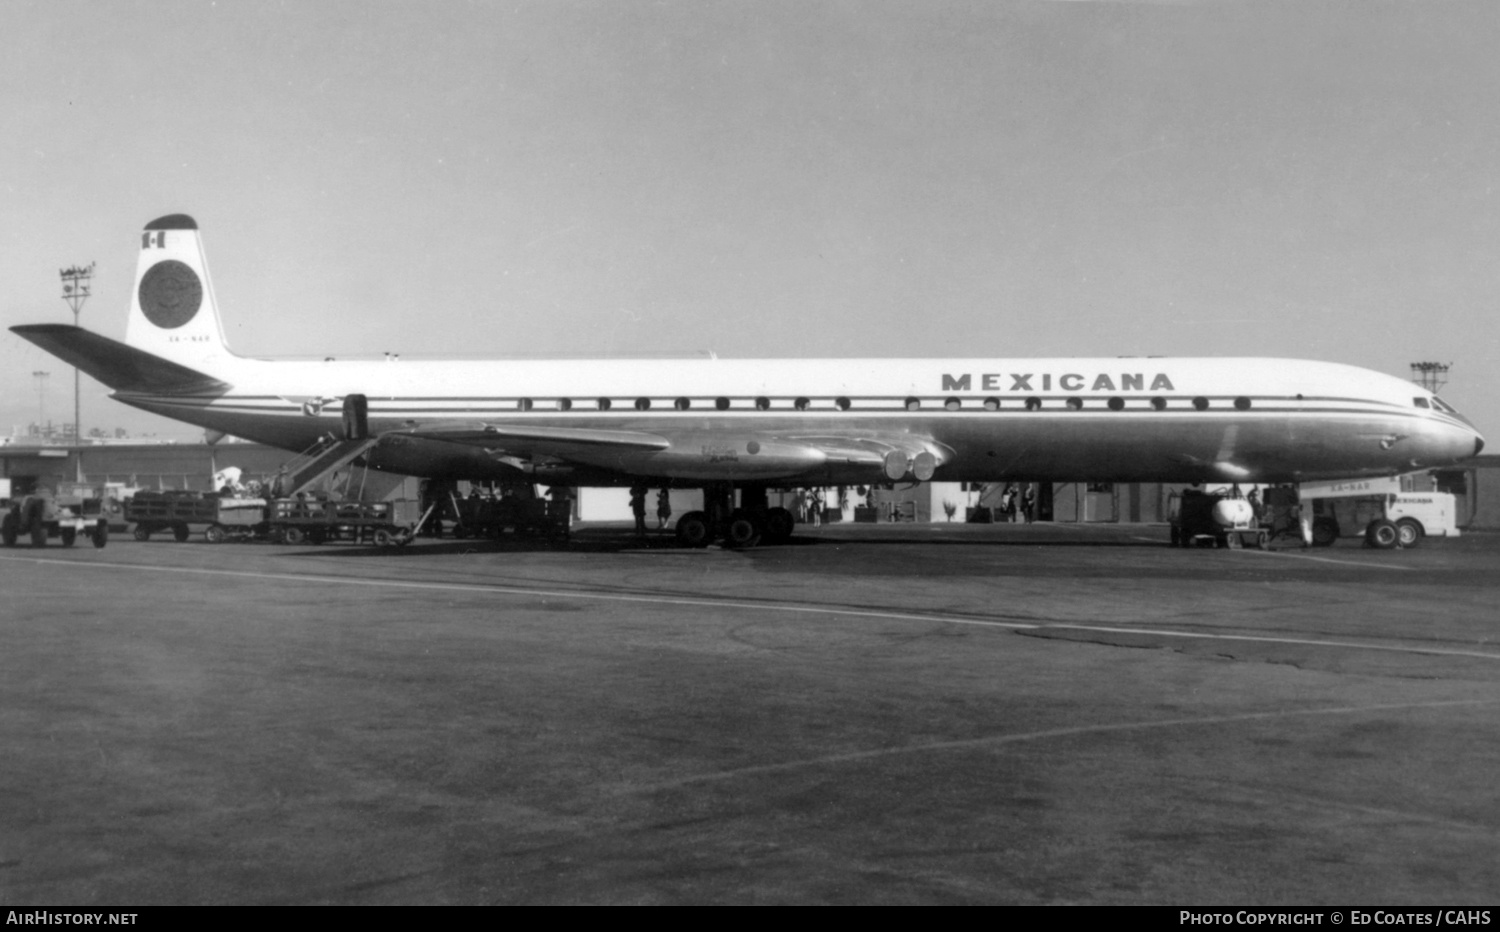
{"x": 1370, "y": 566}
{"x": 1306, "y": 642}
{"x": 853, "y": 757}
{"x": 520, "y": 590}
{"x": 1276, "y": 553}
{"x": 736, "y": 604}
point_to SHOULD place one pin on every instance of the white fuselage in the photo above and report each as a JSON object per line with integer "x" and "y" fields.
{"x": 1105, "y": 419}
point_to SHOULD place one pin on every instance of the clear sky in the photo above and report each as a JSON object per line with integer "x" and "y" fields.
{"x": 763, "y": 178}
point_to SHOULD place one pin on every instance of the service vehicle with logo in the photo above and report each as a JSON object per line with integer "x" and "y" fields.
{"x": 1388, "y": 513}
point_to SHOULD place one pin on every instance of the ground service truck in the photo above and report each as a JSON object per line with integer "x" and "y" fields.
{"x": 1387, "y": 512}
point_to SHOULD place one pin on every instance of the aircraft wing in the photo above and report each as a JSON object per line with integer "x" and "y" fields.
{"x": 702, "y": 454}
{"x": 516, "y": 438}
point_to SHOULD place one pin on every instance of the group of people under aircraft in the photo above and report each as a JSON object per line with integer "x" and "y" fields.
{"x": 1017, "y": 504}
{"x": 638, "y": 507}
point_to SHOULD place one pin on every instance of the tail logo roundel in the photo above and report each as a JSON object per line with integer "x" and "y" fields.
{"x": 170, "y": 294}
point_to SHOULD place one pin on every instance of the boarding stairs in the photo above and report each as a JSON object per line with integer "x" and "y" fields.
{"x": 320, "y": 462}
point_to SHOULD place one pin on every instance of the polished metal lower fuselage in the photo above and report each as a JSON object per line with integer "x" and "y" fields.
{"x": 1060, "y": 438}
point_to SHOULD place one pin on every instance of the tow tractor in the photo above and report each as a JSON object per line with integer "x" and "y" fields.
{"x": 42, "y": 516}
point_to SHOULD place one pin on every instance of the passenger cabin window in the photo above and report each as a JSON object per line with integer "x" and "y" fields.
{"x": 682, "y": 404}
{"x": 992, "y": 404}
{"x": 1117, "y": 404}
{"x": 604, "y": 404}
{"x": 1242, "y": 403}
{"x": 801, "y": 404}
{"x": 762, "y": 403}
{"x": 841, "y": 403}
{"x": 1159, "y": 403}
{"x": 1075, "y": 403}
{"x": 721, "y": 403}
{"x": 564, "y": 404}
{"x": 1033, "y": 404}
{"x": 913, "y": 404}
{"x": 953, "y": 404}
{"x": 1200, "y": 403}
{"x": 643, "y": 404}
{"x": 524, "y": 404}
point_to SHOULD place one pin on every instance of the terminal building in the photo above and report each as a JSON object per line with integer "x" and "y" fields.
{"x": 124, "y": 467}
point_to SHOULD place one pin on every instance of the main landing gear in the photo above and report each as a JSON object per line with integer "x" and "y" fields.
{"x": 753, "y": 522}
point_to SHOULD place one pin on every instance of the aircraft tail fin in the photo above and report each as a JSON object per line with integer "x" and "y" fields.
{"x": 121, "y": 367}
{"x": 173, "y": 313}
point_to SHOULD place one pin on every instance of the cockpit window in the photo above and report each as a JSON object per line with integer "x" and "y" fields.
{"x": 1419, "y": 402}
{"x": 1442, "y": 405}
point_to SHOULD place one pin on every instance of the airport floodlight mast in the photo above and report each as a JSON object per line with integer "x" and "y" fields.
{"x": 76, "y": 282}
{"x": 1431, "y": 375}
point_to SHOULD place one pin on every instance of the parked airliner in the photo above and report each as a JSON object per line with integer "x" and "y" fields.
{"x": 748, "y": 425}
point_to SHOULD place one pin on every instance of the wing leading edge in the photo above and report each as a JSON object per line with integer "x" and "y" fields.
{"x": 706, "y": 454}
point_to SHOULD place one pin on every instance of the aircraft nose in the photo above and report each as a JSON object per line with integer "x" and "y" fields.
{"x": 1478, "y": 444}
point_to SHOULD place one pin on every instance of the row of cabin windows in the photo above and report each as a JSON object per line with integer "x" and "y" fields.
{"x": 762, "y": 403}
{"x": 1075, "y": 403}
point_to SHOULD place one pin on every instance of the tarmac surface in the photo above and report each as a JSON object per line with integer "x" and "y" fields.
{"x": 869, "y": 714}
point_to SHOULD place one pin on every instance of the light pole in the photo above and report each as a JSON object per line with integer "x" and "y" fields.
{"x": 1431, "y": 375}
{"x": 76, "y": 282}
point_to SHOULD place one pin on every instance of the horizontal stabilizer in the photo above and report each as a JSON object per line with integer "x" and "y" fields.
{"x": 123, "y": 368}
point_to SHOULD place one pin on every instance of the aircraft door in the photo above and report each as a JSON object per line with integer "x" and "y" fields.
{"x": 356, "y": 417}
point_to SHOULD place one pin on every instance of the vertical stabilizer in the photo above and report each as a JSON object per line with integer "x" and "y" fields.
{"x": 172, "y": 309}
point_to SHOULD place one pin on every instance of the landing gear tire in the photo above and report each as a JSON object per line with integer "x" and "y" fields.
{"x": 1382, "y": 534}
{"x": 1409, "y": 531}
{"x": 693, "y": 530}
{"x": 779, "y": 525}
{"x": 741, "y": 533}
{"x": 8, "y": 532}
{"x": 1324, "y": 532}
{"x": 1176, "y": 537}
{"x": 215, "y": 534}
{"x": 38, "y": 535}
{"x": 180, "y": 533}
{"x": 101, "y": 535}
{"x": 293, "y": 536}
{"x": 383, "y": 538}
{"x": 141, "y": 532}
{"x": 69, "y": 536}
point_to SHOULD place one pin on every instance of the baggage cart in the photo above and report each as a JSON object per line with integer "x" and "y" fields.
{"x": 314, "y": 521}
{"x": 219, "y": 518}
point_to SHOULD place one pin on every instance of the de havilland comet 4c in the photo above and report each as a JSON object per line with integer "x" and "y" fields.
{"x": 748, "y": 425}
